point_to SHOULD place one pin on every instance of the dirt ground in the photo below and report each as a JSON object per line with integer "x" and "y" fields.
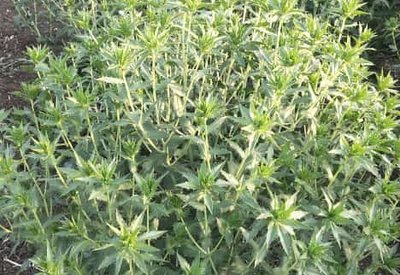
{"x": 13, "y": 260}
{"x": 13, "y": 43}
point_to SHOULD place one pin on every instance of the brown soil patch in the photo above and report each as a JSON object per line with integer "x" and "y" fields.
{"x": 13, "y": 43}
{"x": 14, "y": 259}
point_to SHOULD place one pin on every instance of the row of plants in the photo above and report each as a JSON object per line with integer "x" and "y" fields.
{"x": 382, "y": 15}
{"x": 205, "y": 137}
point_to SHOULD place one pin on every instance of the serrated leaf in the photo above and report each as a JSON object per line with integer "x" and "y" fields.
{"x": 183, "y": 263}
{"x": 107, "y": 261}
{"x": 120, "y": 220}
{"x": 285, "y": 241}
{"x": 291, "y": 201}
{"x": 42, "y": 67}
{"x": 118, "y": 265}
{"x": 98, "y": 195}
{"x": 237, "y": 148}
{"x": 336, "y": 152}
{"x": 264, "y": 215}
{"x": 297, "y": 215}
{"x": 141, "y": 264}
{"x": 3, "y": 114}
{"x": 260, "y": 255}
{"x": 111, "y": 80}
{"x": 80, "y": 247}
{"x": 335, "y": 233}
{"x": 209, "y": 202}
{"x": 137, "y": 222}
{"x": 288, "y": 229}
{"x": 151, "y": 235}
{"x": 249, "y": 200}
{"x": 114, "y": 229}
{"x": 231, "y": 179}
{"x": 196, "y": 205}
{"x": 187, "y": 185}
{"x": 215, "y": 127}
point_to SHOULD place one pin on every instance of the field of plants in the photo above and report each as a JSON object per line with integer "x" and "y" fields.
{"x": 205, "y": 137}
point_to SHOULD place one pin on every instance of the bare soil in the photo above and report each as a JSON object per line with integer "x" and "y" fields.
{"x": 14, "y": 259}
{"x": 13, "y": 43}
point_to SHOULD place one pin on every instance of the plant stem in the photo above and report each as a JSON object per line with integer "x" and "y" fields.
{"x": 148, "y": 220}
{"x": 278, "y": 37}
{"x": 207, "y": 154}
{"x": 42, "y": 195}
{"x": 35, "y": 22}
{"x": 247, "y": 154}
{"x": 395, "y": 45}
{"x": 342, "y": 29}
{"x": 91, "y": 133}
{"x": 206, "y": 230}
{"x": 192, "y": 238}
{"x": 154, "y": 86}
{"x": 128, "y": 92}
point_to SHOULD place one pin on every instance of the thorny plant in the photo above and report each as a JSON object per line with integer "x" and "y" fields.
{"x": 202, "y": 137}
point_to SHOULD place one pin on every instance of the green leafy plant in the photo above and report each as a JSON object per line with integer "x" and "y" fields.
{"x": 205, "y": 137}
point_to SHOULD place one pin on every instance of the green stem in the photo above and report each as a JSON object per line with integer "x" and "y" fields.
{"x": 233, "y": 247}
{"x": 342, "y": 29}
{"x": 192, "y": 238}
{"x": 229, "y": 74}
{"x": 207, "y": 154}
{"x": 128, "y": 92}
{"x": 395, "y": 45}
{"x": 131, "y": 267}
{"x": 118, "y": 141}
{"x": 60, "y": 175}
{"x": 185, "y": 45}
{"x": 206, "y": 230}
{"x": 213, "y": 265}
{"x": 35, "y": 119}
{"x": 66, "y": 140}
{"x": 110, "y": 206}
{"x": 148, "y": 220}
{"x": 278, "y": 38}
{"x": 93, "y": 10}
{"x": 42, "y": 195}
{"x": 91, "y": 132}
{"x": 247, "y": 154}
{"x": 35, "y": 16}
{"x": 154, "y": 86}
{"x": 38, "y": 221}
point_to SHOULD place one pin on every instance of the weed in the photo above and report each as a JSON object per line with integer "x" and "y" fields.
{"x": 205, "y": 137}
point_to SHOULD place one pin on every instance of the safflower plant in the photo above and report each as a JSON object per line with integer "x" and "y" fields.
{"x": 205, "y": 137}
